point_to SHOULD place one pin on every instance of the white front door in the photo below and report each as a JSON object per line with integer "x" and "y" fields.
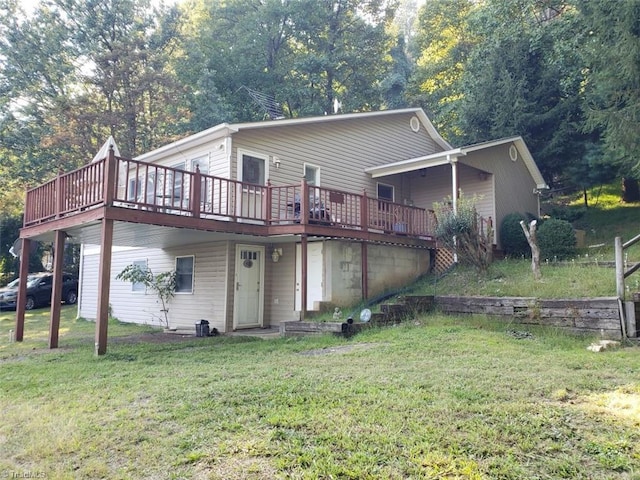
{"x": 315, "y": 275}
{"x": 249, "y": 291}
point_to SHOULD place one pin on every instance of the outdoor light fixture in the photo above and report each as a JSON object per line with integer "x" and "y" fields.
{"x": 276, "y": 253}
{"x": 276, "y": 162}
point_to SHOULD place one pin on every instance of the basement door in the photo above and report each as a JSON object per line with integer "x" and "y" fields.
{"x": 248, "y": 304}
{"x": 315, "y": 275}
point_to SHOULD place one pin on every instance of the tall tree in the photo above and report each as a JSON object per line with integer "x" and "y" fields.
{"x": 441, "y": 47}
{"x": 524, "y": 78}
{"x": 612, "y": 54}
{"x": 302, "y": 54}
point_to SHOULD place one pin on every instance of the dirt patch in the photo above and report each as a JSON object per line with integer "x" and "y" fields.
{"x": 339, "y": 350}
{"x": 155, "y": 337}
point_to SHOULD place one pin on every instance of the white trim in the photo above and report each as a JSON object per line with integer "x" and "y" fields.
{"x": 316, "y": 167}
{"x": 393, "y": 191}
{"x": 262, "y": 156}
{"x": 414, "y": 164}
{"x": 224, "y": 131}
{"x": 263, "y": 261}
{"x": 193, "y": 273}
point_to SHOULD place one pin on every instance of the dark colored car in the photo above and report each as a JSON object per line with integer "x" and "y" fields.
{"x": 39, "y": 286}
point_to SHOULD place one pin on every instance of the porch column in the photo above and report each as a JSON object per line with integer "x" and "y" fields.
{"x": 303, "y": 280}
{"x": 22, "y": 288}
{"x": 454, "y": 182}
{"x": 104, "y": 283}
{"x": 454, "y": 195}
{"x": 56, "y": 290}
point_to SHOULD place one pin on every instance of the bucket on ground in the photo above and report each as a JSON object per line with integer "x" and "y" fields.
{"x": 202, "y": 328}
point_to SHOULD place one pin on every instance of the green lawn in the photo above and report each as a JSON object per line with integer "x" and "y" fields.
{"x": 437, "y": 398}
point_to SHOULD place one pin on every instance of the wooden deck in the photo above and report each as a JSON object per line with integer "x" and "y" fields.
{"x": 143, "y": 193}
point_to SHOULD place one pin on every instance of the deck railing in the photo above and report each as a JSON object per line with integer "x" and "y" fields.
{"x": 133, "y": 184}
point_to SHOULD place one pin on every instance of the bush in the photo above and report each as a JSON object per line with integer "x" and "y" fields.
{"x": 512, "y": 239}
{"x": 556, "y": 239}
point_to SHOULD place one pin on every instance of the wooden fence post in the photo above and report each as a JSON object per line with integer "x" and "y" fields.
{"x": 619, "y": 267}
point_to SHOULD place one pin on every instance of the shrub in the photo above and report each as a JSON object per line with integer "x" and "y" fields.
{"x": 465, "y": 232}
{"x": 556, "y": 239}
{"x": 512, "y": 239}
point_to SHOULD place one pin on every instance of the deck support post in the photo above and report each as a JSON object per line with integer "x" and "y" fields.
{"x": 303, "y": 279}
{"x": 22, "y": 288}
{"x": 365, "y": 271}
{"x": 56, "y": 290}
{"x": 104, "y": 281}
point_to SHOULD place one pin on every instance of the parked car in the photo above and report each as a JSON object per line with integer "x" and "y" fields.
{"x": 39, "y": 286}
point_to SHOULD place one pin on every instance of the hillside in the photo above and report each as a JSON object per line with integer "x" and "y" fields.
{"x": 589, "y": 274}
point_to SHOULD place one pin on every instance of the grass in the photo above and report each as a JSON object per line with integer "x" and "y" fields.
{"x": 437, "y": 398}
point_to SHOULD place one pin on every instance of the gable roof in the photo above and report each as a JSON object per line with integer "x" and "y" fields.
{"x": 451, "y": 155}
{"x": 224, "y": 129}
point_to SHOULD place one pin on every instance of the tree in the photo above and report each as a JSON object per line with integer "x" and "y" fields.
{"x": 532, "y": 238}
{"x": 163, "y": 284}
{"x": 441, "y": 47}
{"x": 524, "y": 78}
{"x": 611, "y": 52}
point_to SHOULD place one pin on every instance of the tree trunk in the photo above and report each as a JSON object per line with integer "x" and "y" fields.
{"x": 535, "y": 250}
{"x": 630, "y": 190}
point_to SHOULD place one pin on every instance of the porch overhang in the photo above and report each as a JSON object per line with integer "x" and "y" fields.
{"x": 416, "y": 164}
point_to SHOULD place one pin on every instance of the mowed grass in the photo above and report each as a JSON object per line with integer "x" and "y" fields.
{"x": 435, "y": 398}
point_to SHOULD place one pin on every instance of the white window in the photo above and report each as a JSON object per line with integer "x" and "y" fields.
{"x": 184, "y": 274}
{"x": 312, "y": 174}
{"x": 138, "y": 286}
{"x": 253, "y": 169}
{"x": 138, "y": 192}
{"x": 386, "y": 192}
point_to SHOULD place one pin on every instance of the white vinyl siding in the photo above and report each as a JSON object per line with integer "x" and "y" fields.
{"x": 206, "y": 302}
{"x": 343, "y": 149}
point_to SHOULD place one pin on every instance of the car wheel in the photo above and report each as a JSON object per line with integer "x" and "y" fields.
{"x": 31, "y": 303}
{"x": 71, "y": 298}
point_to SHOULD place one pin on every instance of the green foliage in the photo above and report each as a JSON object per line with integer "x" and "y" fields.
{"x": 556, "y": 239}
{"x": 611, "y": 51}
{"x": 464, "y": 231}
{"x": 512, "y": 238}
{"x": 163, "y": 284}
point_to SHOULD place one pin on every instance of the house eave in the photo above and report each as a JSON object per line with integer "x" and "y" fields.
{"x": 414, "y": 164}
{"x": 524, "y": 153}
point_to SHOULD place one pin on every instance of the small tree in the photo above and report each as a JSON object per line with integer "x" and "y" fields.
{"x": 465, "y": 232}
{"x": 163, "y": 284}
{"x": 532, "y": 238}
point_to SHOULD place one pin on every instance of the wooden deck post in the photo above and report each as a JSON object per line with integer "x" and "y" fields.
{"x": 364, "y": 209}
{"x": 104, "y": 283}
{"x": 59, "y": 194}
{"x": 56, "y": 290}
{"x": 304, "y": 203}
{"x": 196, "y": 192}
{"x": 619, "y": 253}
{"x": 268, "y": 204}
{"x": 303, "y": 279}
{"x": 109, "y": 177}
{"x": 22, "y": 288}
